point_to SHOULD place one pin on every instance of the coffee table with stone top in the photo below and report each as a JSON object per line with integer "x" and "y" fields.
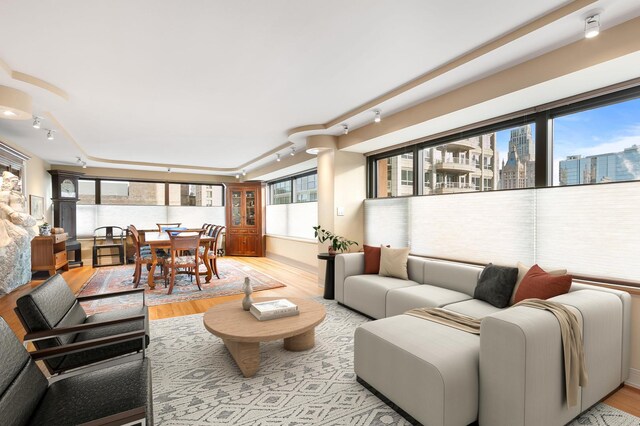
{"x": 242, "y": 333}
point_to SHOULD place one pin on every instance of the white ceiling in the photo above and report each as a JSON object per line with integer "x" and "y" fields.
{"x": 215, "y": 84}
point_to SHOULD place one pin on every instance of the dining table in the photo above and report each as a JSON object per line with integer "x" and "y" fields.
{"x": 161, "y": 240}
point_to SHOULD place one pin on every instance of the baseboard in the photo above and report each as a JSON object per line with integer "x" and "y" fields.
{"x": 634, "y": 378}
{"x": 292, "y": 262}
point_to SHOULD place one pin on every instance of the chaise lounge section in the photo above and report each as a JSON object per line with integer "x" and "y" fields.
{"x": 512, "y": 374}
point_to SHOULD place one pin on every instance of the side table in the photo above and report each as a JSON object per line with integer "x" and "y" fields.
{"x": 329, "y": 276}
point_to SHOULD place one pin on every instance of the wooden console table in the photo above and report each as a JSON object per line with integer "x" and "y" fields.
{"x": 49, "y": 253}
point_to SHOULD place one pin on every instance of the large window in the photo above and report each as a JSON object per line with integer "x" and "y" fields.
{"x": 587, "y": 142}
{"x": 294, "y": 189}
{"x": 131, "y": 193}
{"x": 598, "y": 145}
{"x": 187, "y": 194}
{"x": 86, "y": 191}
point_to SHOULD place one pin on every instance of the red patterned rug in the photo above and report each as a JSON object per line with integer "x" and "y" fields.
{"x": 119, "y": 278}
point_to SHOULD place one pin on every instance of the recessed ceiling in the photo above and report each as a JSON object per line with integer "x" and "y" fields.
{"x": 217, "y": 84}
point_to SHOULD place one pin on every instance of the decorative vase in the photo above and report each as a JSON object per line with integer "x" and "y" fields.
{"x": 246, "y": 288}
{"x": 45, "y": 230}
{"x": 332, "y": 251}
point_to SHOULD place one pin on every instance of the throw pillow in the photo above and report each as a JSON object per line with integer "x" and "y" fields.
{"x": 371, "y": 259}
{"x": 538, "y": 284}
{"x": 393, "y": 262}
{"x": 522, "y": 271}
{"x": 495, "y": 285}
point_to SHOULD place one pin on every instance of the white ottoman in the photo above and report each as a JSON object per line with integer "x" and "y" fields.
{"x": 428, "y": 370}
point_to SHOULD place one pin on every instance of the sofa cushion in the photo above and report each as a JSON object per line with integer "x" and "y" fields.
{"x": 110, "y": 351}
{"x": 400, "y": 300}
{"x": 473, "y": 308}
{"x": 454, "y": 276}
{"x": 427, "y": 369}
{"x": 495, "y": 285}
{"x": 538, "y": 284}
{"x": 97, "y": 394}
{"x": 368, "y": 293}
{"x": 393, "y": 262}
{"x": 522, "y": 271}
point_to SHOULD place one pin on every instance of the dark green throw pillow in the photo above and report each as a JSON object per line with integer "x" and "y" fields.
{"x": 495, "y": 285}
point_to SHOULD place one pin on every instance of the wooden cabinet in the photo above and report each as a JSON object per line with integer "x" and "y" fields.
{"x": 245, "y": 219}
{"x": 49, "y": 253}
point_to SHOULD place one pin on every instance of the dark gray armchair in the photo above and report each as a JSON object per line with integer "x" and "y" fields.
{"x": 52, "y": 306}
{"x": 113, "y": 395}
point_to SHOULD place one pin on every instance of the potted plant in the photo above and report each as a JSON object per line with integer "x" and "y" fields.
{"x": 338, "y": 243}
{"x": 45, "y": 229}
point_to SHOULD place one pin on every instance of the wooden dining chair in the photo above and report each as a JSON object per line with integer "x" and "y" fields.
{"x": 212, "y": 254}
{"x": 183, "y": 241}
{"x": 142, "y": 255}
{"x": 163, "y": 226}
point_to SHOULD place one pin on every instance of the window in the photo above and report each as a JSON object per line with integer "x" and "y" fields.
{"x": 598, "y": 145}
{"x": 131, "y": 193}
{"x": 280, "y": 192}
{"x": 394, "y": 176}
{"x": 294, "y": 189}
{"x": 188, "y": 194}
{"x": 86, "y": 192}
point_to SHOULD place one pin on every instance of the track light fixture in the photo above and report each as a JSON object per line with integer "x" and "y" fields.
{"x": 237, "y": 175}
{"x": 345, "y": 129}
{"x": 36, "y": 122}
{"x": 278, "y": 157}
{"x": 50, "y": 134}
{"x": 592, "y": 26}
{"x": 378, "y": 116}
{"x": 293, "y": 151}
{"x": 244, "y": 172}
{"x": 169, "y": 170}
{"x": 84, "y": 165}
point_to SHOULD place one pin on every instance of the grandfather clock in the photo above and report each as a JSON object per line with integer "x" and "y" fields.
{"x": 65, "y": 197}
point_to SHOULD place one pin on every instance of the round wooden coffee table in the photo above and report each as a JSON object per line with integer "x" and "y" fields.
{"x": 242, "y": 333}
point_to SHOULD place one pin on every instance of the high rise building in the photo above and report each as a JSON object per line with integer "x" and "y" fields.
{"x": 519, "y": 169}
{"x": 609, "y": 167}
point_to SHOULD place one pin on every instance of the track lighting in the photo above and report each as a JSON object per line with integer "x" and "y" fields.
{"x": 592, "y": 26}
{"x": 345, "y": 129}
{"x": 293, "y": 151}
{"x": 169, "y": 170}
{"x": 244, "y": 172}
{"x": 237, "y": 175}
{"x": 36, "y": 122}
{"x": 84, "y": 165}
{"x": 278, "y": 157}
{"x": 50, "y": 134}
{"x": 378, "y": 117}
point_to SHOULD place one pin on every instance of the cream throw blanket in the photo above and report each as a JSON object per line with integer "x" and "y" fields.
{"x": 575, "y": 373}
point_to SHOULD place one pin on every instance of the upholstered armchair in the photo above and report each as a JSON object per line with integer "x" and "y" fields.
{"x": 52, "y": 306}
{"x": 119, "y": 394}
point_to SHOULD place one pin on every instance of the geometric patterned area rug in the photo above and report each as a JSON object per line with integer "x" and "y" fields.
{"x": 109, "y": 279}
{"x": 196, "y": 382}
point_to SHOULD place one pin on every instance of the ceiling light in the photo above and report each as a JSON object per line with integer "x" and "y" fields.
{"x": 378, "y": 117}
{"x": 14, "y": 104}
{"x": 592, "y": 26}
{"x": 84, "y": 165}
{"x": 278, "y": 157}
{"x": 50, "y": 135}
{"x": 36, "y": 122}
{"x": 293, "y": 151}
{"x": 244, "y": 172}
{"x": 345, "y": 129}
{"x": 313, "y": 151}
{"x": 168, "y": 169}
{"x": 237, "y": 176}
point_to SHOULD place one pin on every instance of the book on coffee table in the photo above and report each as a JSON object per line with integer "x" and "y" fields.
{"x": 273, "y": 309}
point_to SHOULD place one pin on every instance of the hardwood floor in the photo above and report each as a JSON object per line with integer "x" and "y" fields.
{"x": 299, "y": 284}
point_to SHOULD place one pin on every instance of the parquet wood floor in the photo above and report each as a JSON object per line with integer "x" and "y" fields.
{"x": 298, "y": 283}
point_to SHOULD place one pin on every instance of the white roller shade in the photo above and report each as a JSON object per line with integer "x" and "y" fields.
{"x": 292, "y": 220}
{"x": 386, "y": 221}
{"x": 590, "y": 230}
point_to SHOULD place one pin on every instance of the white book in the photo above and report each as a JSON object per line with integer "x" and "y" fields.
{"x": 275, "y": 316}
{"x": 274, "y": 309}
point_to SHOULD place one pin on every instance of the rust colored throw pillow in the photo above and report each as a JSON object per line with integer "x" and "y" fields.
{"x": 372, "y": 259}
{"x": 538, "y": 284}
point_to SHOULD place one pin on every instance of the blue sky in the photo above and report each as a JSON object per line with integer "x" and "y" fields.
{"x": 598, "y": 131}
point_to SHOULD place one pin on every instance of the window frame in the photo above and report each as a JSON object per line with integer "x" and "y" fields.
{"x": 292, "y": 180}
{"x": 542, "y": 118}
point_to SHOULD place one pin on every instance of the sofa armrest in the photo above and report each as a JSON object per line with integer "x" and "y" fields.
{"x": 347, "y": 264}
{"x": 522, "y": 363}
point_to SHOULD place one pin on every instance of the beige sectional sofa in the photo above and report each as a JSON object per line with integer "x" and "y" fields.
{"x": 512, "y": 374}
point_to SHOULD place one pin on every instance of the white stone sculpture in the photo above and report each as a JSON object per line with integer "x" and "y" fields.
{"x": 16, "y": 232}
{"x": 247, "y": 301}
